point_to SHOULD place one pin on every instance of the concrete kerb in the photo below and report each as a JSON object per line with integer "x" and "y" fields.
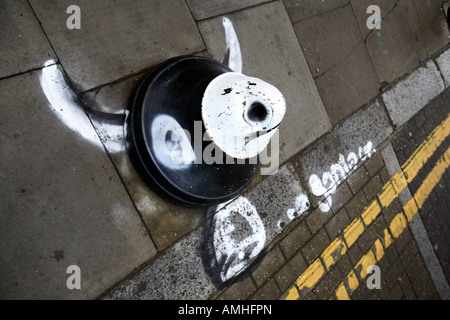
{"x": 412, "y": 92}
{"x": 443, "y": 63}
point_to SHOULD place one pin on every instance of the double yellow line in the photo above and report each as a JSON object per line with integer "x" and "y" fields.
{"x": 390, "y": 191}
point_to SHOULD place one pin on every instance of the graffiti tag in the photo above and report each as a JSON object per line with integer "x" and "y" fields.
{"x": 326, "y": 186}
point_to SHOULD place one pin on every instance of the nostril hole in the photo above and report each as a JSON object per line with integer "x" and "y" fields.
{"x": 257, "y": 112}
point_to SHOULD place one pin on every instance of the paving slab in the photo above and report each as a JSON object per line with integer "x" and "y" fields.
{"x": 61, "y": 200}
{"x": 411, "y": 94}
{"x": 336, "y": 55}
{"x": 426, "y": 21}
{"x": 348, "y": 85}
{"x": 392, "y": 48}
{"x": 165, "y": 221}
{"x": 117, "y": 40}
{"x": 70, "y": 195}
{"x": 178, "y": 274}
{"x": 443, "y": 62}
{"x": 303, "y": 9}
{"x": 270, "y": 51}
{"x": 343, "y": 150}
{"x": 206, "y": 9}
{"x": 23, "y": 45}
{"x": 328, "y": 38}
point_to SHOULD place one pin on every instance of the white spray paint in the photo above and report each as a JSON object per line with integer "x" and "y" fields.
{"x": 236, "y": 254}
{"x": 233, "y": 47}
{"x": 301, "y": 205}
{"x": 111, "y": 135}
{"x": 338, "y": 172}
{"x": 63, "y": 103}
{"x": 172, "y": 144}
{"x": 241, "y": 113}
{"x": 63, "y": 100}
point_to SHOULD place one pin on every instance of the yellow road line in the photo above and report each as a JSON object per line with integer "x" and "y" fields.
{"x": 391, "y": 190}
{"x": 334, "y": 251}
{"x": 396, "y": 228}
{"x": 314, "y": 273}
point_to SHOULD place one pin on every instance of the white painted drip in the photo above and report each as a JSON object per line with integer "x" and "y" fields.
{"x": 233, "y": 47}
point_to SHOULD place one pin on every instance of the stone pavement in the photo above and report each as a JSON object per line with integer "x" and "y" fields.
{"x": 363, "y": 153}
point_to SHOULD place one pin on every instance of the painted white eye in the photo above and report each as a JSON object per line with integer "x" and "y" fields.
{"x": 236, "y": 245}
{"x": 171, "y": 141}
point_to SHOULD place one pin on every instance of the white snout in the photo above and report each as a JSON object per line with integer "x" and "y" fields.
{"x": 241, "y": 113}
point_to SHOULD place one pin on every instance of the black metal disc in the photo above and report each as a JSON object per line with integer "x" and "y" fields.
{"x": 181, "y": 167}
